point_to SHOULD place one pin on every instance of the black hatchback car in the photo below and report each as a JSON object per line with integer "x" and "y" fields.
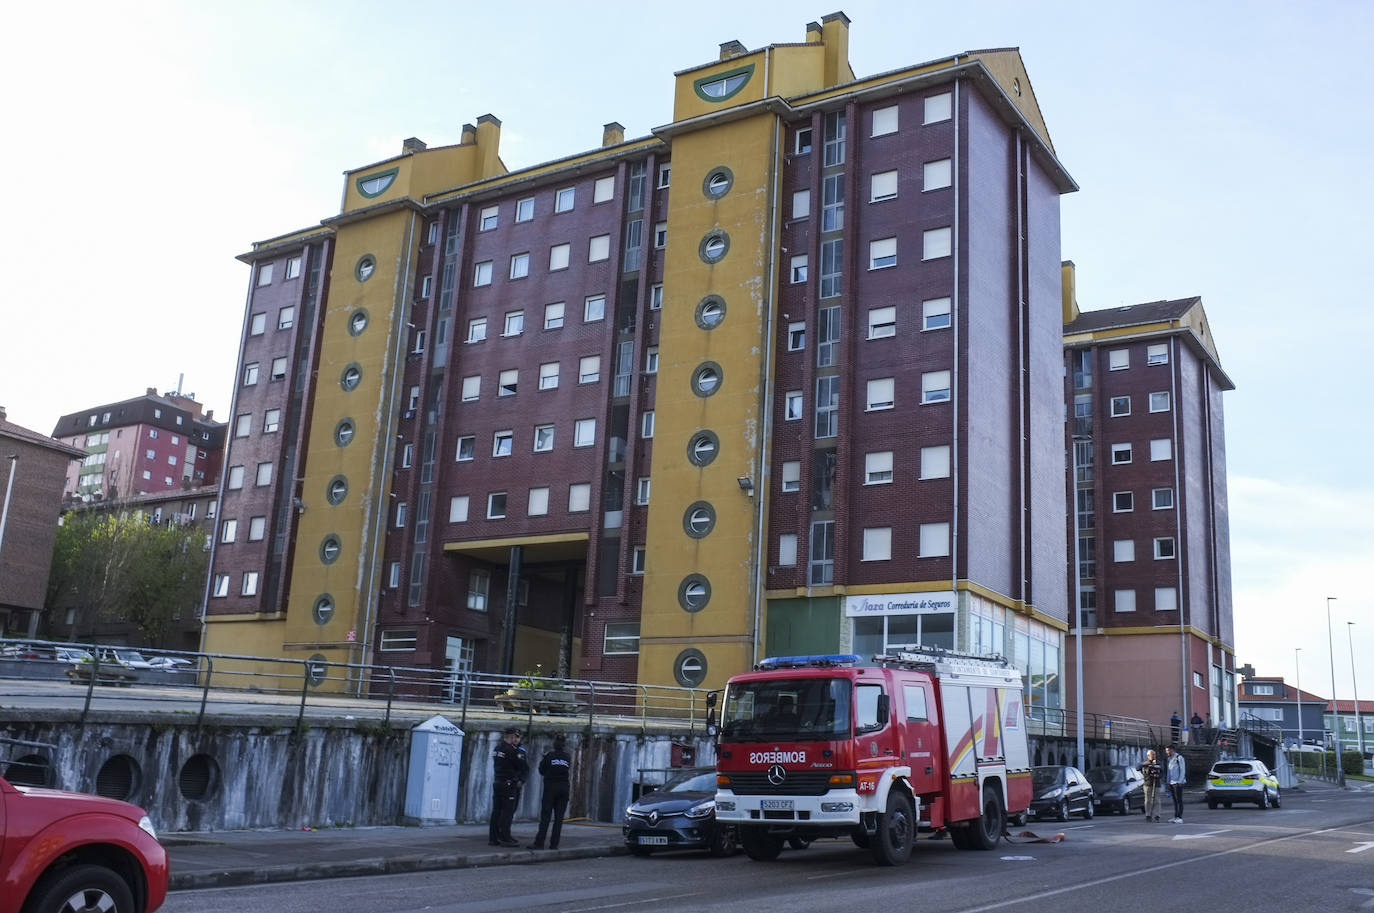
{"x": 680, "y": 814}
{"x": 1060, "y": 791}
{"x": 1117, "y": 788}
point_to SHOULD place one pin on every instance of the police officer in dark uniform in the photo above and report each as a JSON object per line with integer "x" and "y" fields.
{"x": 556, "y": 769}
{"x": 508, "y": 769}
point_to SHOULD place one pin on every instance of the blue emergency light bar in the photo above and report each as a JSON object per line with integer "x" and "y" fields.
{"x": 821, "y": 659}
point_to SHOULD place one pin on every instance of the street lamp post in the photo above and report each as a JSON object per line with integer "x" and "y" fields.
{"x": 1335, "y": 717}
{"x": 1297, "y": 665}
{"x": 1077, "y": 608}
{"x": 1354, "y": 683}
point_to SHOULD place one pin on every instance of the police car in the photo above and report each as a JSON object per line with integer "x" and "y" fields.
{"x": 1242, "y": 781}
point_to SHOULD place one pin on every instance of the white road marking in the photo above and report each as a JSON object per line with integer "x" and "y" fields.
{"x": 1368, "y": 904}
{"x": 1361, "y": 847}
{"x": 612, "y": 906}
{"x": 835, "y": 875}
{"x": 1018, "y": 858}
{"x": 1203, "y": 834}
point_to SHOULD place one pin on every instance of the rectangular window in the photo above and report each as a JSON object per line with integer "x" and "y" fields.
{"x": 264, "y": 474}
{"x": 799, "y": 269}
{"x": 661, "y": 235}
{"x": 538, "y": 504}
{"x": 286, "y": 317}
{"x": 791, "y": 475}
{"x": 235, "y": 477}
{"x": 1123, "y": 550}
{"x": 564, "y": 199}
{"x": 258, "y": 324}
{"x": 548, "y": 375}
{"x": 792, "y": 407}
{"x": 1157, "y": 354}
{"x": 477, "y": 329}
{"x": 228, "y": 531}
{"x": 250, "y": 377}
{"x": 1166, "y": 599}
{"x": 496, "y": 505}
{"x": 822, "y": 553}
{"x": 420, "y": 340}
{"x": 935, "y": 387}
{"x": 279, "y": 368}
{"x": 1160, "y": 449}
{"x": 796, "y": 336}
{"x": 487, "y": 219}
{"x": 471, "y": 388}
{"x": 878, "y": 467}
{"x": 1124, "y": 600}
{"x": 882, "y": 322}
{"x": 621, "y": 637}
{"x": 1121, "y": 454}
{"x": 265, "y": 274}
{"x": 935, "y": 462}
{"x": 407, "y": 455}
{"x": 665, "y": 174}
{"x": 1118, "y": 359}
{"x": 656, "y": 296}
{"x": 651, "y": 360}
{"x": 1162, "y": 498}
{"x": 832, "y": 270}
{"x": 598, "y": 248}
{"x": 584, "y": 432}
{"x": 935, "y": 313}
{"x": 642, "y": 490}
{"x": 458, "y": 509}
{"x": 882, "y": 253}
{"x": 243, "y": 425}
{"x": 502, "y": 443}
{"x": 603, "y": 190}
{"x": 646, "y": 425}
{"x": 579, "y": 497}
{"x": 394, "y": 641}
{"x": 937, "y": 174}
{"x": 1123, "y": 502}
{"x": 883, "y": 187}
{"x": 553, "y": 315}
{"x": 832, "y": 203}
{"x": 481, "y": 273}
{"x": 479, "y": 584}
{"x": 934, "y": 540}
{"x": 543, "y": 438}
{"x": 558, "y": 256}
{"x": 1159, "y": 402}
{"x": 938, "y": 108}
{"x": 937, "y": 243}
{"x": 589, "y": 369}
{"x": 594, "y": 308}
{"x": 884, "y": 121}
{"x": 787, "y": 550}
{"x": 221, "y": 585}
{"x": 801, "y": 204}
{"x": 519, "y": 265}
{"x": 827, "y": 336}
{"x": 401, "y": 510}
{"x": 801, "y": 140}
{"x": 637, "y": 557}
{"x": 426, "y": 286}
{"x": 250, "y": 583}
{"x": 515, "y": 323}
{"x": 467, "y": 448}
{"x": 1121, "y": 405}
{"x": 881, "y": 393}
{"x": 877, "y": 543}
{"x": 827, "y": 406}
{"x": 524, "y": 209}
{"x": 1164, "y": 547}
{"x": 834, "y": 138}
{"x": 508, "y": 382}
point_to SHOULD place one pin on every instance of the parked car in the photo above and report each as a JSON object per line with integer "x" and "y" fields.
{"x": 170, "y": 663}
{"x": 73, "y": 655}
{"x": 28, "y": 651}
{"x": 129, "y": 659}
{"x": 1245, "y": 780}
{"x": 62, "y": 851}
{"x": 1060, "y": 791}
{"x": 1117, "y": 788}
{"x": 680, "y": 814}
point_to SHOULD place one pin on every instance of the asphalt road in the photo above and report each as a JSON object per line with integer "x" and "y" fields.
{"x": 1315, "y": 853}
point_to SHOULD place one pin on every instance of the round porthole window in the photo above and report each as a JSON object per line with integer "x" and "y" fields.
{"x": 198, "y": 778}
{"x": 718, "y": 182}
{"x": 706, "y": 379}
{"x": 337, "y": 490}
{"x": 118, "y": 778}
{"x": 343, "y": 432}
{"x": 316, "y": 669}
{"x": 710, "y": 312}
{"x": 367, "y": 265}
{"x": 690, "y": 668}
{"x": 699, "y": 520}
{"x": 324, "y": 609}
{"x": 357, "y": 321}
{"x": 330, "y": 548}
{"x": 694, "y": 592}
{"x": 714, "y": 246}
{"x": 702, "y": 448}
{"x": 351, "y": 377}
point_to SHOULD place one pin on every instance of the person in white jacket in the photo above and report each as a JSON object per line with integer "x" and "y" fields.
{"x": 1177, "y": 775}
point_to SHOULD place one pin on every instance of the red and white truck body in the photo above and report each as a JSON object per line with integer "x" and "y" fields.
{"x": 813, "y": 746}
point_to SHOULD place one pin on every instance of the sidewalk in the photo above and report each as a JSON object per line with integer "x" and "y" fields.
{"x": 226, "y": 858}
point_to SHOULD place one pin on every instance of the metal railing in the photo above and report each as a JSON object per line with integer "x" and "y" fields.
{"x": 1060, "y": 722}
{"x": 301, "y": 687}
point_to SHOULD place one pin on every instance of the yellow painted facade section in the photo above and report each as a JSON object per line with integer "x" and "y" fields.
{"x": 430, "y": 170}
{"x": 687, "y": 104}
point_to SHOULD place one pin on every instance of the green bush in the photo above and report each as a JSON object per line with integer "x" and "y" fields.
{"x": 1352, "y": 762}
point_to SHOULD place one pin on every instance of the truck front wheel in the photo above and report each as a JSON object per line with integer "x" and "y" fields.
{"x": 985, "y": 832}
{"x": 759, "y": 845}
{"x": 891, "y": 845}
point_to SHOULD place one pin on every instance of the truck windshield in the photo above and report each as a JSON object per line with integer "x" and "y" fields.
{"x": 792, "y": 710}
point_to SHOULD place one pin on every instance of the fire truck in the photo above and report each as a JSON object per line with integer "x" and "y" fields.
{"x": 831, "y": 746}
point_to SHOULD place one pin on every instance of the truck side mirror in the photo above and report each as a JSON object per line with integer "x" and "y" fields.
{"x": 884, "y": 709}
{"x": 711, "y": 728}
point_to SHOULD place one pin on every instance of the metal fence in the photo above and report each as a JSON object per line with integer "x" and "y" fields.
{"x": 1061, "y": 722}
{"x": 225, "y": 683}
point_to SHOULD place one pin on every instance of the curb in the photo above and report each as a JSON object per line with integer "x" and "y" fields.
{"x": 195, "y": 881}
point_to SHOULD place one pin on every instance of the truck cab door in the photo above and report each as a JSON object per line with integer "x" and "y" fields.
{"x": 875, "y": 739}
{"x": 922, "y": 741}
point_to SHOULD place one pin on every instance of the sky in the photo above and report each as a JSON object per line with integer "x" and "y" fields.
{"x": 1222, "y": 150}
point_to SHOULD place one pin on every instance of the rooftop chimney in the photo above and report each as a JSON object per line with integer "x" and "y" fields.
{"x": 469, "y": 135}
{"x": 612, "y": 134}
{"x": 813, "y": 32}
{"x": 489, "y": 144}
{"x": 412, "y": 145}
{"x": 731, "y": 48}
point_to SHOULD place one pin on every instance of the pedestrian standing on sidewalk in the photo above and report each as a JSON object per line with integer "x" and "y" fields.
{"x": 1153, "y": 775}
{"x": 1178, "y": 775}
{"x": 556, "y": 769}
{"x": 508, "y": 772}
{"x": 1195, "y": 725}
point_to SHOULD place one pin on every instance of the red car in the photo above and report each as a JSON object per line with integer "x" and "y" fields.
{"x": 64, "y": 852}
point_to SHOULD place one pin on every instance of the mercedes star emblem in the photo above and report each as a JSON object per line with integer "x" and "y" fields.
{"x": 776, "y": 774}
